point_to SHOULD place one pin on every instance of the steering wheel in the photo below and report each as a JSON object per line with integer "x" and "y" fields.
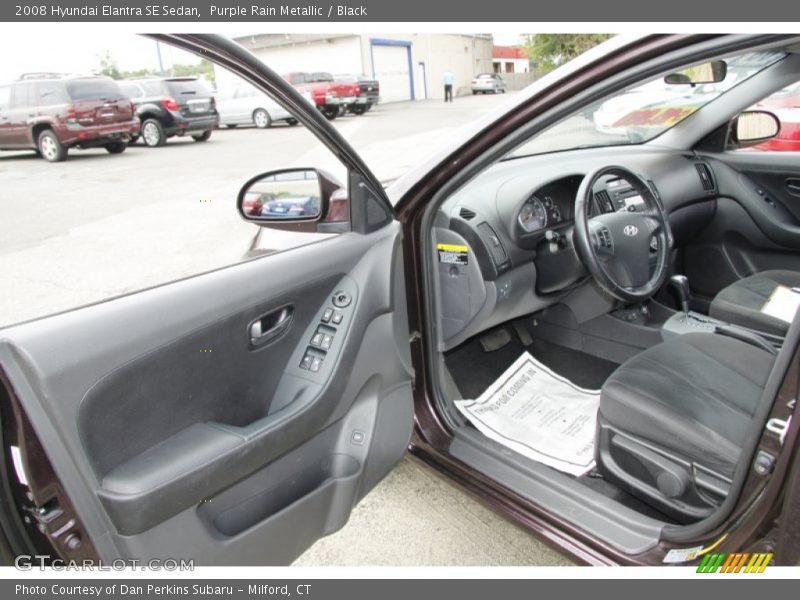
{"x": 616, "y": 247}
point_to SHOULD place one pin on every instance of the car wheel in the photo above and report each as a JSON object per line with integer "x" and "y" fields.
{"x": 153, "y": 133}
{"x": 116, "y": 147}
{"x": 261, "y": 118}
{"x": 50, "y": 147}
{"x": 231, "y": 126}
{"x": 203, "y": 137}
{"x": 330, "y": 112}
{"x": 358, "y": 110}
{"x": 291, "y": 122}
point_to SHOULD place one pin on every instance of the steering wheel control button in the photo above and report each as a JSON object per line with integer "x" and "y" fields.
{"x": 337, "y": 317}
{"x": 341, "y": 299}
{"x": 326, "y": 316}
{"x": 604, "y": 238}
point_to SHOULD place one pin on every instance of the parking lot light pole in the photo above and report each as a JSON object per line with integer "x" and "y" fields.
{"x": 160, "y": 61}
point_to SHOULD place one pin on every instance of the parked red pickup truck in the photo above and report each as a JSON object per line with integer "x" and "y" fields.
{"x": 331, "y": 97}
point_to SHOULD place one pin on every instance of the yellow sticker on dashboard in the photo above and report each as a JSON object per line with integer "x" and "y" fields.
{"x": 453, "y": 254}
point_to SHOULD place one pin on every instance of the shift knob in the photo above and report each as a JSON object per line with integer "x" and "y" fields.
{"x": 680, "y": 283}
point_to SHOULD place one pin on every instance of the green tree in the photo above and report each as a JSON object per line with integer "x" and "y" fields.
{"x": 107, "y": 65}
{"x": 550, "y": 50}
{"x": 202, "y": 69}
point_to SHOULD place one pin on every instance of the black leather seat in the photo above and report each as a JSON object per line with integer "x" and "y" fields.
{"x": 740, "y": 303}
{"x": 673, "y": 419}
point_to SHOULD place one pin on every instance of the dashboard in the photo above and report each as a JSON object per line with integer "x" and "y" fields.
{"x": 515, "y": 221}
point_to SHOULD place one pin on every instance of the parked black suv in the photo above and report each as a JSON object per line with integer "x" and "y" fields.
{"x": 51, "y": 113}
{"x": 172, "y": 106}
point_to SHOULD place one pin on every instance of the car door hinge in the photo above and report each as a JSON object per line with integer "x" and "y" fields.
{"x": 415, "y": 335}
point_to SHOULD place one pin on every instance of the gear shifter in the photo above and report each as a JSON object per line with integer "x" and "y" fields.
{"x": 680, "y": 283}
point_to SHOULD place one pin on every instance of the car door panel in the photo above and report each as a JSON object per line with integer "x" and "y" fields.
{"x": 756, "y": 225}
{"x": 239, "y": 105}
{"x": 175, "y": 435}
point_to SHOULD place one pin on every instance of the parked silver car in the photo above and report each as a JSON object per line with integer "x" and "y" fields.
{"x": 245, "y": 105}
{"x": 488, "y": 83}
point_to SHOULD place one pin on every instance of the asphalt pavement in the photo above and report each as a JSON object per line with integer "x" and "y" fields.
{"x": 100, "y": 225}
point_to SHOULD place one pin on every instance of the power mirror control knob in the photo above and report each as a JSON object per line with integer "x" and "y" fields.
{"x": 341, "y": 299}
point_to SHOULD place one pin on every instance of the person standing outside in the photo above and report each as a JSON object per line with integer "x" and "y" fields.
{"x": 448, "y": 78}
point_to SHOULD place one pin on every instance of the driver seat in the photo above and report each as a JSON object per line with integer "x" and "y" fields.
{"x": 673, "y": 420}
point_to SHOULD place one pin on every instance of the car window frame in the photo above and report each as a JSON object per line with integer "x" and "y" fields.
{"x": 140, "y": 90}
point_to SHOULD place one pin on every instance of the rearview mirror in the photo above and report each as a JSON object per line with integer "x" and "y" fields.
{"x": 755, "y": 126}
{"x": 710, "y": 72}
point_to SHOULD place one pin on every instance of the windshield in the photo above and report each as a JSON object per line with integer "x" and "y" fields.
{"x": 644, "y": 112}
{"x": 320, "y": 77}
{"x": 194, "y": 87}
{"x": 93, "y": 89}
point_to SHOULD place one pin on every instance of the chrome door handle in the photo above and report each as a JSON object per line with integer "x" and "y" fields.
{"x": 270, "y": 326}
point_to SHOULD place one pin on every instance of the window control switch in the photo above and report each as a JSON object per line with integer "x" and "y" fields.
{"x": 327, "y": 340}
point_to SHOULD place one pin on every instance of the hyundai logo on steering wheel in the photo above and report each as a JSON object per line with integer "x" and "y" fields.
{"x": 630, "y": 230}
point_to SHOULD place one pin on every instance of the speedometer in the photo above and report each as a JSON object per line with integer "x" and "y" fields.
{"x": 533, "y": 215}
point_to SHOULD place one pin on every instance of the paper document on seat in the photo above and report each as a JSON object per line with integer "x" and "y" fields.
{"x": 782, "y": 304}
{"x": 539, "y": 414}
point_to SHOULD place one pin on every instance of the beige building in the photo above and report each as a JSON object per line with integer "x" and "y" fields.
{"x": 408, "y": 66}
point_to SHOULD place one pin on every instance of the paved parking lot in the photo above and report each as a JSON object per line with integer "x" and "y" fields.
{"x": 98, "y": 225}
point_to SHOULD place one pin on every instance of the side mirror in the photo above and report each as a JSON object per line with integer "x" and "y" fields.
{"x": 295, "y": 200}
{"x": 710, "y": 72}
{"x": 753, "y": 127}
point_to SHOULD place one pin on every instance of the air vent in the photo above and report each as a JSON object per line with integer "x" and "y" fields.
{"x": 706, "y": 177}
{"x": 604, "y": 202}
{"x": 466, "y": 213}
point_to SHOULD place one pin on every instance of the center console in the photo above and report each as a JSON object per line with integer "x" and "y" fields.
{"x": 623, "y": 333}
{"x": 687, "y": 321}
